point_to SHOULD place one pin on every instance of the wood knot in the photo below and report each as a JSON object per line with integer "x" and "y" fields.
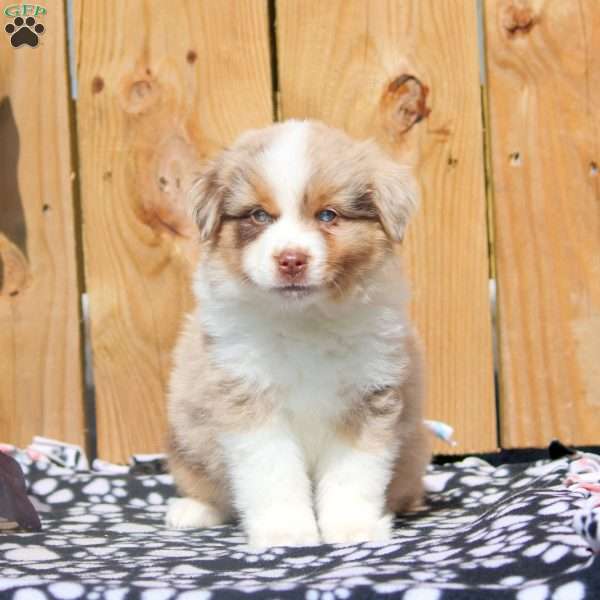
{"x": 518, "y": 20}
{"x": 163, "y": 204}
{"x": 15, "y": 274}
{"x": 163, "y": 184}
{"x": 140, "y": 90}
{"x": 442, "y": 132}
{"x": 191, "y": 57}
{"x": 140, "y": 95}
{"x": 97, "y": 84}
{"x": 161, "y": 219}
{"x": 515, "y": 159}
{"x": 403, "y": 104}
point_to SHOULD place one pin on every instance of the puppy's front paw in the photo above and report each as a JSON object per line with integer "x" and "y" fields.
{"x": 282, "y": 530}
{"x": 187, "y": 513}
{"x": 353, "y": 528}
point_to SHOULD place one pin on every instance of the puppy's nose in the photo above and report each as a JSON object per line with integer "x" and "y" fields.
{"x": 292, "y": 263}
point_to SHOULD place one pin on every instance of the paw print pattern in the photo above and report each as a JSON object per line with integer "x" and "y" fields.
{"x": 24, "y": 32}
{"x": 587, "y": 524}
{"x": 104, "y": 535}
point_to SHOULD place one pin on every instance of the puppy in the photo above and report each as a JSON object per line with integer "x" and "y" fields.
{"x": 295, "y": 401}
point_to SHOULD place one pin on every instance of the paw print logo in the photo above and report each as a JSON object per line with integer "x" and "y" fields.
{"x": 24, "y": 31}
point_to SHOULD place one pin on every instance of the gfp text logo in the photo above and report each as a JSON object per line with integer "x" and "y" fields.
{"x": 24, "y": 10}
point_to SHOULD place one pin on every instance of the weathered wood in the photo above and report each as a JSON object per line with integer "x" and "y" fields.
{"x": 40, "y": 343}
{"x": 406, "y": 73}
{"x": 162, "y": 85}
{"x": 543, "y": 62}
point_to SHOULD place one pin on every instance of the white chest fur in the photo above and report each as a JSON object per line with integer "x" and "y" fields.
{"x": 314, "y": 363}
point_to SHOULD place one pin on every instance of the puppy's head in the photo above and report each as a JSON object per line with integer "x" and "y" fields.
{"x": 300, "y": 210}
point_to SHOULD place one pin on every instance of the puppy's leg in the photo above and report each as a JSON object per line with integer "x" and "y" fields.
{"x": 406, "y": 490}
{"x": 351, "y": 485}
{"x": 202, "y": 505}
{"x": 271, "y": 488}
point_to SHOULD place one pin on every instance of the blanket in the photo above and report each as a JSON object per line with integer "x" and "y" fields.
{"x": 522, "y": 530}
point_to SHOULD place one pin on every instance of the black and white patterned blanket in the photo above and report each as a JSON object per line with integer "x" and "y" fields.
{"x": 488, "y": 532}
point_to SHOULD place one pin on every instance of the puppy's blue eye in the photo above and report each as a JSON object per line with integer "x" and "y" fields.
{"x": 326, "y": 216}
{"x": 261, "y": 216}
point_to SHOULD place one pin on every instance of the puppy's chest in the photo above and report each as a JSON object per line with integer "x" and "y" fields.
{"x": 310, "y": 370}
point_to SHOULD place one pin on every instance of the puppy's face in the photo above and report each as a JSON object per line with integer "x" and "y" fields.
{"x": 300, "y": 210}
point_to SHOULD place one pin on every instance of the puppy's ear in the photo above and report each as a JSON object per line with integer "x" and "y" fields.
{"x": 396, "y": 197}
{"x": 206, "y": 196}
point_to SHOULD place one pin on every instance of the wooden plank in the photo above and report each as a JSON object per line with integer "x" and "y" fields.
{"x": 544, "y": 80}
{"x": 346, "y": 62}
{"x": 154, "y": 99}
{"x": 40, "y": 343}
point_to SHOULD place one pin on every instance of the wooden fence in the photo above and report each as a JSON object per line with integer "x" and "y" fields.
{"x": 506, "y": 149}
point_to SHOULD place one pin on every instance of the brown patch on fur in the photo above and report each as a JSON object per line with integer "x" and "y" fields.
{"x": 247, "y": 192}
{"x": 371, "y": 421}
{"x": 198, "y": 381}
{"x": 356, "y": 241}
{"x": 199, "y": 414}
{"x": 192, "y": 478}
{"x": 405, "y": 490}
{"x": 205, "y": 401}
{"x": 242, "y": 191}
{"x": 207, "y": 339}
{"x": 374, "y": 417}
{"x": 365, "y": 205}
{"x": 381, "y": 403}
{"x": 392, "y": 417}
{"x": 224, "y": 184}
{"x": 247, "y": 231}
{"x": 353, "y": 249}
{"x": 237, "y": 229}
{"x": 352, "y": 202}
{"x": 207, "y": 194}
{"x": 227, "y": 245}
{"x": 343, "y": 184}
{"x": 263, "y": 194}
{"x": 359, "y": 178}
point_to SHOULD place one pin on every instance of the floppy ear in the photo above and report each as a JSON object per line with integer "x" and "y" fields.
{"x": 206, "y": 196}
{"x": 396, "y": 197}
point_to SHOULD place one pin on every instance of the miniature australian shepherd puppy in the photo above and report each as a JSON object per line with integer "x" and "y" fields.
{"x": 295, "y": 402}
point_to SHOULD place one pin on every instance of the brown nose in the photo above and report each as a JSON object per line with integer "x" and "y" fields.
{"x": 292, "y": 263}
